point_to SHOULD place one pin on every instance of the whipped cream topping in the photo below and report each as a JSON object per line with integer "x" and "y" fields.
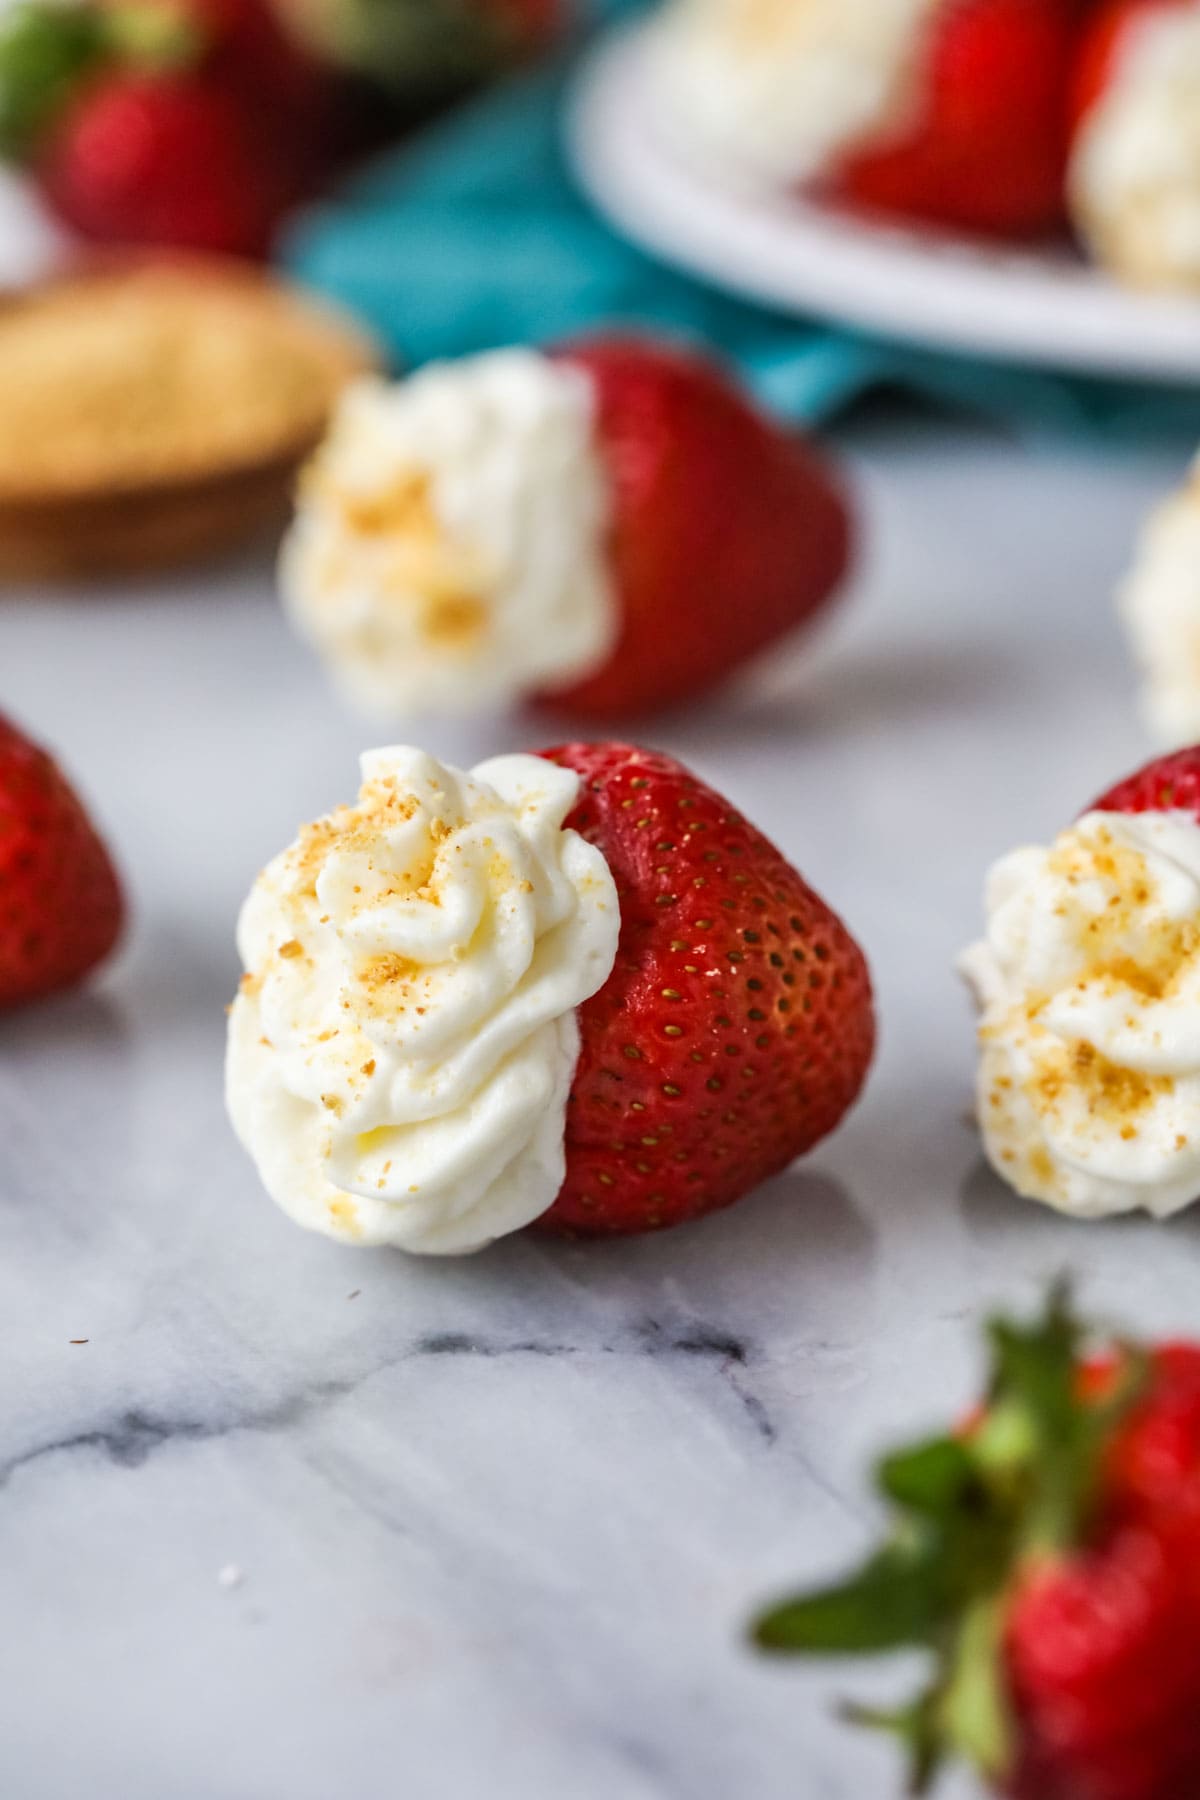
{"x": 777, "y": 90}
{"x": 1160, "y": 606}
{"x": 404, "y": 1038}
{"x": 1134, "y": 181}
{"x": 1088, "y": 985}
{"x": 449, "y": 550}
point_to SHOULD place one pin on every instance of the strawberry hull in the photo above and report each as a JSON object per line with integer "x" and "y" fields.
{"x": 1048, "y": 1558}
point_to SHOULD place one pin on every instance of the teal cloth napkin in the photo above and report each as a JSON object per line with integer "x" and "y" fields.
{"x": 475, "y": 235}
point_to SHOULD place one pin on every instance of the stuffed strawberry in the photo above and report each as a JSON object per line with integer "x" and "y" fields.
{"x": 575, "y": 988}
{"x": 1135, "y": 155}
{"x": 60, "y": 901}
{"x": 1088, "y": 985}
{"x": 188, "y": 123}
{"x": 610, "y": 528}
{"x": 1048, "y": 1555}
{"x": 952, "y": 112}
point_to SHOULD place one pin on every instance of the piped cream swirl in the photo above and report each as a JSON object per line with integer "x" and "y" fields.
{"x": 1134, "y": 178}
{"x": 450, "y": 545}
{"x": 1088, "y": 984}
{"x": 403, "y": 1042}
{"x": 775, "y": 91}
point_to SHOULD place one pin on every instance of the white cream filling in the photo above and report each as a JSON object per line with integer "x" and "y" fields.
{"x": 1088, "y": 984}
{"x": 404, "y": 1039}
{"x": 450, "y": 545}
{"x": 1134, "y": 181}
{"x": 777, "y": 90}
{"x": 1160, "y": 607}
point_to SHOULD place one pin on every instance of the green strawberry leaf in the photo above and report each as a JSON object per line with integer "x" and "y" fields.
{"x": 1036, "y": 1366}
{"x": 45, "y": 51}
{"x": 895, "y": 1599}
{"x": 969, "y": 1511}
{"x": 933, "y": 1479}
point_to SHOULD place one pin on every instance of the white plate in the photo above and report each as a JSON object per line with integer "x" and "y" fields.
{"x": 1026, "y": 305}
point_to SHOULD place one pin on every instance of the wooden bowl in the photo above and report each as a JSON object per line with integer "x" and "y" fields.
{"x": 156, "y": 413}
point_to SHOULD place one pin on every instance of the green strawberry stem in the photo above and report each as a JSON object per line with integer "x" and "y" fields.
{"x": 974, "y": 1709}
{"x": 970, "y": 1512}
{"x": 152, "y": 36}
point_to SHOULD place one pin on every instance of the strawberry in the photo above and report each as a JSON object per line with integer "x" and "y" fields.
{"x": 736, "y": 1027}
{"x": 1167, "y": 784}
{"x": 726, "y": 533}
{"x": 248, "y": 50}
{"x": 166, "y": 160}
{"x": 60, "y": 901}
{"x": 986, "y": 150}
{"x": 632, "y": 551}
{"x": 1049, "y": 1554}
{"x": 192, "y": 123}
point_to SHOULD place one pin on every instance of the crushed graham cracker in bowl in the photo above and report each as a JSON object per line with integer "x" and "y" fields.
{"x": 154, "y": 413}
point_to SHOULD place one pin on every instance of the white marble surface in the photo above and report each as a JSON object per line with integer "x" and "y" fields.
{"x": 499, "y": 1522}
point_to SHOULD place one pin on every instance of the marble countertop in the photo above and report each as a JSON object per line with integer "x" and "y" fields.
{"x": 299, "y": 1520}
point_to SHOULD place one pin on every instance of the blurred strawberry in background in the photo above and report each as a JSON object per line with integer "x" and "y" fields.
{"x": 143, "y": 161}
{"x": 986, "y": 148}
{"x": 198, "y": 124}
{"x": 188, "y": 123}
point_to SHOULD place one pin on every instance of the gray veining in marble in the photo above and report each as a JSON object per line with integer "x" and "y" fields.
{"x": 492, "y": 1527}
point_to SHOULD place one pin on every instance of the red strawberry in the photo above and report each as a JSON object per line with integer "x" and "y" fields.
{"x": 1050, "y": 1555}
{"x": 1167, "y": 784}
{"x": 246, "y": 48}
{"x": 166, "y": 160}
{"x": 60, "y": 902}
{"x": 727, "y": 532}
{"x": 987, "y": 149}
{"x": 190, "y": 123}
{"x": 736, "y": 1027}
{"x": 1104, "y": 1649}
